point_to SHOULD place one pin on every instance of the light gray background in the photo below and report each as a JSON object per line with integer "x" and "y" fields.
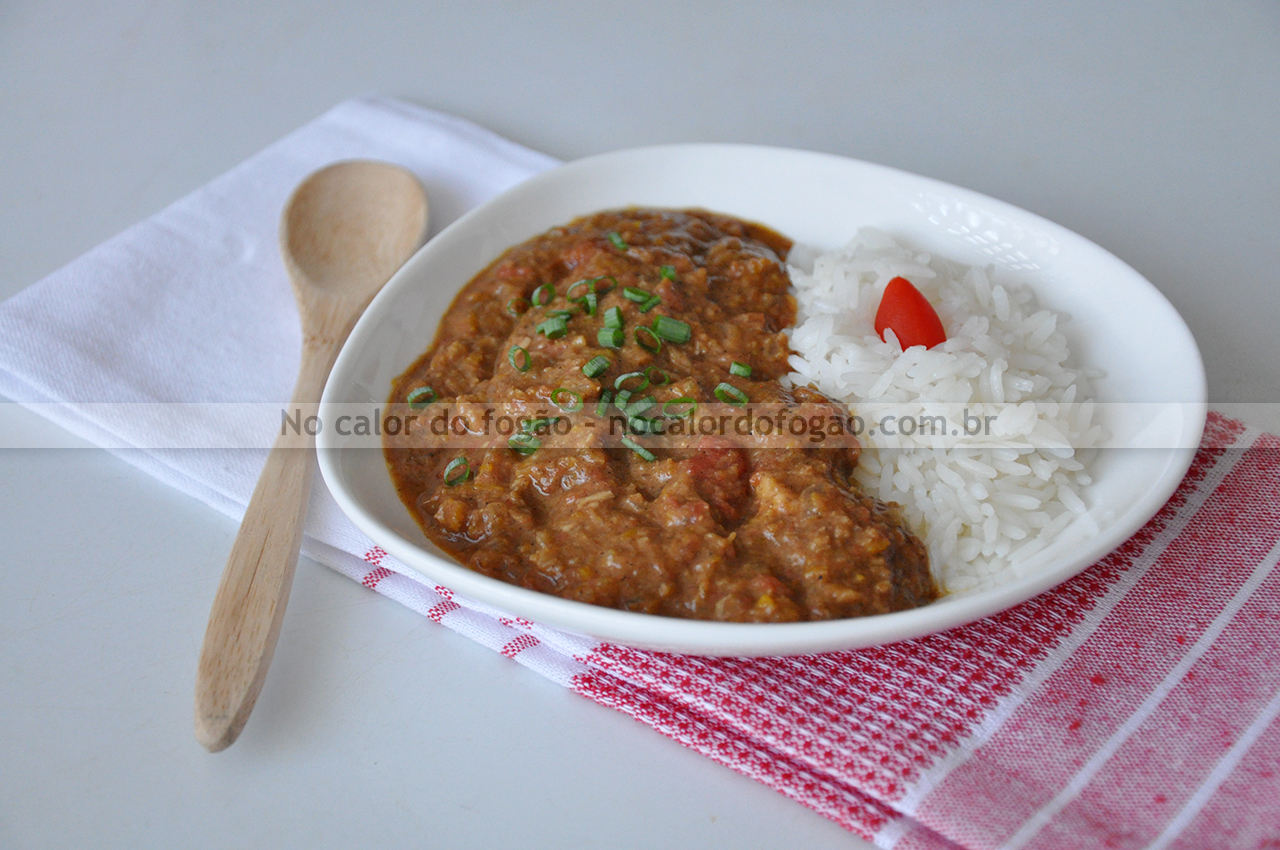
{"x": 1153, "y": 129}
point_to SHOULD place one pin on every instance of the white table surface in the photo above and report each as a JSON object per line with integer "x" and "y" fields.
{"x": 1153, "y": 130}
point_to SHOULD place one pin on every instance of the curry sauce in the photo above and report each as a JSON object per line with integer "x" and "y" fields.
{"x": 646, "y": 313}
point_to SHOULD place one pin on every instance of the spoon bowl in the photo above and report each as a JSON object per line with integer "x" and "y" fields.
{"x": 348, "y": 227}
{"x": 344, "y": 233}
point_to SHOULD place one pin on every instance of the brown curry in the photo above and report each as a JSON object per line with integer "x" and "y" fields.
{"x": 643, "y": 312}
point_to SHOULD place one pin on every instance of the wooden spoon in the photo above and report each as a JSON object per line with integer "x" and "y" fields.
{"x": 344, "y": 232}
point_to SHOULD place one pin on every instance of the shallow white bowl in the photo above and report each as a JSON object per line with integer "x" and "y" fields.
{"x": 1121, "y": 324}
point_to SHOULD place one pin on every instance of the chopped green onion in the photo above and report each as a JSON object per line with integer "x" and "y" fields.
{"x": 672, "y": 330}
{"x": 593, "y": 285}
{"x": 456, "y": 472}
{"x": 613, "y": 317}
{"x": 611, "y": 337}
{"x": 622, "y": 379}
{"x": 640, "y": 425}
{"x": 639, "y": 449}
{"x": 729, "y": 394}
{"x": 653, "y": 301}
{"x": 553, "y": 328}
{"x": 530, "y": 426}
{"x": 635, "y": 408}
{"x": 420, "y": 397}
{"x": 690, "y": 409}
{"x": 603, "y": 405}
{"x": 742, "y": 370}
{"x": 669, "y": 272}
{"x": 559, "y": 314}
{"x": 517, "y": 306}
{"x": 617, "y": 240}
{"x": 515, "y": 358}
{"x": 621, "y": 398}
{"x": 596, "y": 366}
{"x": 590, "y": 302}
{"x": 573, "y": 287}
{"x": 652, "y": 344}
{"x": 637, "y": 295}
{"x": 524, "y": 443}
{"x": 572, "y": 406}
{"x": 547, "y": 290}
{"x": 666, "y": 379}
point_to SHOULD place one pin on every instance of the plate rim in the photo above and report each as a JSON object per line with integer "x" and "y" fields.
{"x": 744, "y": 639}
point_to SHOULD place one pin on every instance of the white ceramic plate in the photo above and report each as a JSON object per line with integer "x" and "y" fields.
{"x": 1121, "y": 324}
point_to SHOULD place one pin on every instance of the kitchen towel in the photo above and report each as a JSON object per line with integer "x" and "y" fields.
{"x": 1133, "y": 706}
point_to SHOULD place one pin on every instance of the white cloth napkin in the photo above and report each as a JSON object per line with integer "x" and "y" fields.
{"x": 193, "y": 304}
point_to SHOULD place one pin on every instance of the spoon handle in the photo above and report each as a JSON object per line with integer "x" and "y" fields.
{"x": 249, "y": 606}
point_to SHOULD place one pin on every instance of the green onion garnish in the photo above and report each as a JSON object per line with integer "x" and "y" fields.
{"x": 635, "y": 408}
{"x": 530, "y": 426}
{"x": 617, "y": 241}
{"x": 691, "y": 407}
{"x": 524, "y": 443}
{"x": 611, "y": 337}
{"x": 559, "y": 314}
{"x": 574, "y": 403}
{"x": 637, "y": 295}
{"x": 543, "y": 295}
{"x": 613, "y": 317}
{"x": 666, "y": 379}
{"x": 420, "y": 397}
{"x": 456, "y": 472}
{"x": 653, "y": 301}
{"x": 601, "y": 288}
{"x": 669, "y": 272}
{"x": 573, "y": 287}
{"x": 649, "y": 342}
{"x": 596, "y": 366}
{"x": 519, "y": 358}
{"x": 602, "y": 406}
{"x": 553, "y": 328}
{"x": 622, "y": 379}
{"x": 621, "y": 398}
{"x": 729, "y": 394}
{"x": 517, "y": 306}
{"x": 590, "y": 303}
{"x": 742, "y": 370}
{"x": 639, "y": 425}
{"x": 639, "y": 449}
{"x": 672, "y": 330}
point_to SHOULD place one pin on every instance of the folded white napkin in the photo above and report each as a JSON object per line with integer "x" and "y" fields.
{"x": 194, "y": 305}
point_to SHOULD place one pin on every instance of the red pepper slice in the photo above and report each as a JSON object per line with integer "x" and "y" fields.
{"x": 910, "y": 314}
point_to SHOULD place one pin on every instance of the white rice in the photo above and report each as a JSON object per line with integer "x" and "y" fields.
{"x": 985, "y": 503}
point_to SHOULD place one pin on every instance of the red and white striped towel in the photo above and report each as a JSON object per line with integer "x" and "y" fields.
{"x": 1133, "y": 706}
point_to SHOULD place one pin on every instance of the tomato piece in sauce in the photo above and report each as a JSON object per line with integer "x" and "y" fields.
{"x": 910, "y": 314}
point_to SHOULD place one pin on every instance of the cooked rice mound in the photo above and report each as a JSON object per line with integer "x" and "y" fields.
{"x": 986, "y": 502}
